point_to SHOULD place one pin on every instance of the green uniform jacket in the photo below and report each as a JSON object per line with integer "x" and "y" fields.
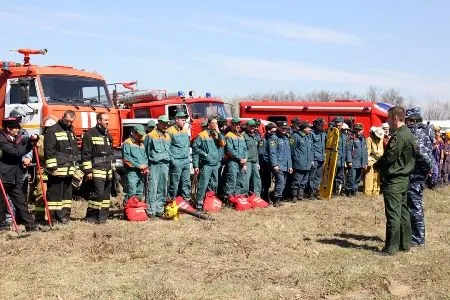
{"x": 400, "y": 155}
{"x": 236, "y": 147}
{"x": 157, "y": 147}
{"x": 206, "y": 149}
{"x": 179, "y": 142}
{"x": 252, "y": 147}
{"x": 133, "y": 153}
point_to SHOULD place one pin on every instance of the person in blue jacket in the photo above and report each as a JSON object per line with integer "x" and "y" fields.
{"x": 357, "y": 151}
{"x": 342, "y": 159}
{"x": 302, "y": 159}
{"x": 280, "y": 159}
{"x": 319, "y": 139}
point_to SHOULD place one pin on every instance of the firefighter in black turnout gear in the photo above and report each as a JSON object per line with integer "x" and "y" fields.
{"x": 13, "y": 146}
{"x": 98, "y": 164}
{"x": 61, "y": 155}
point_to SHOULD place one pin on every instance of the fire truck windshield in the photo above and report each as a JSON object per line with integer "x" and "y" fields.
{"x": 206, "y": 109}
{"x": 82, "y": 90}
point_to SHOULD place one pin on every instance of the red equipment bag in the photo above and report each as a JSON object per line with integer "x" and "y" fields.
{"x": 181, "y": 203}
{"x": 240, "y": 202}
{"x": 256, "y": 201}
{"x": 212, "y": 203}
{"x": 135, "y": 210}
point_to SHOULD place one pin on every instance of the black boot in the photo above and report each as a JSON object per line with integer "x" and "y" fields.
{"x": 294, "y": 195}
{"x": 277, "y": 202}
{"x": 316, "y": 195}
{"x": 301, "y": 194}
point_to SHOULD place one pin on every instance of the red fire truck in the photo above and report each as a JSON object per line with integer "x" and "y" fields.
{"x": 353, "y": 111}
{"x": 138, "y": 107}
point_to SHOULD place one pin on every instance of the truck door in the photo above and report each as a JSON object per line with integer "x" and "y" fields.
{"x": 22, "y": 97}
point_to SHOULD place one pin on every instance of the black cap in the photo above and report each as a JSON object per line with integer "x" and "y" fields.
{"x": 282, "y": 124}
{"x": 319, "y": 121}
{"x": 296, "y": 121}
{"x": 11, "y": 123}
{"x": 304, "y": 125}
{"x": 270, "y": 126}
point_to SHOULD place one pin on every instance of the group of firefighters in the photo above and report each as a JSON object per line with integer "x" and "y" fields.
{"x": 58, "y": 152}
{"x": 229, "y": 160}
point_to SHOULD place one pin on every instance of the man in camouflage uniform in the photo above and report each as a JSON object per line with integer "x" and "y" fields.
{"x": 396, "y": 165}
{"x": 423, "y": 167}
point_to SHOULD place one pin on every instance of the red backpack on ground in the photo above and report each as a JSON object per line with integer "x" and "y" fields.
{"x": 181, "y": 203}
{"x": 212, "y": 203}
{"x": 135, "y": 210}
{"x": 256, "y": 201}
{"x": 240, "y": 202}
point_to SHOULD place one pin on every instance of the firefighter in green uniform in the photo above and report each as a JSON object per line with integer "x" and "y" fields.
{"x": 98, "y": 159}
{"x": 206, "y": 157}
{"x": 253, "y": 178}
{"x": 157, "y": 148}
{"x": 236, "y": 152}
{"x": 180, "y": 171}
{"x": 135, "y": 163}
{"x": 395, "y": 166}
{"x": 150, "y": 126}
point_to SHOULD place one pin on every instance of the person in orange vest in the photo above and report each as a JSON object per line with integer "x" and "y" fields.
{"x": 372, "y": 180}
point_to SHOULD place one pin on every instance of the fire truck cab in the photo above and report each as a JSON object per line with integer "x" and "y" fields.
{"x": 36, "y": 92}
{"x": 353, "y": 111}
{"x": 140, "y": 107}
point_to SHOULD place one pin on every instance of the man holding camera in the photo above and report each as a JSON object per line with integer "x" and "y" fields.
{"x": 13, "y": 147}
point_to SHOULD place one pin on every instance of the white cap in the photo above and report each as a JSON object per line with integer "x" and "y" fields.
{"x": 344, "y": 126}
{"x": 385, "y": 125}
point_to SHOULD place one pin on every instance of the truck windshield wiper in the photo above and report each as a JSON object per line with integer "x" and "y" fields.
{"x": 67, "y": 101}
{"x": 98, "y": 102}
{"x": 83, "y": 101}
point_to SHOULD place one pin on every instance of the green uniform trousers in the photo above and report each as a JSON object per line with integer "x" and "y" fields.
{"x": 235, "y": 179}
{"x": 398, "y": 225}
{"x": 252, "y": 181}
{"x": 180, "y": 179}
{"x": 208, "y": 178}
{"x": 135, "y": 184}
{"x": 157, "y": 192}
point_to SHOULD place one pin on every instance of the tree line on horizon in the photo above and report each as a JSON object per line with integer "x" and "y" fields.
{"x": 431, "y": 110}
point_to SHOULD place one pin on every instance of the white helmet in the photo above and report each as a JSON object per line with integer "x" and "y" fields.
{"x": 50, "y": 121}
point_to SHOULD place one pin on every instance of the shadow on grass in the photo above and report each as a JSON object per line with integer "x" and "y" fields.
{"x": 359, "y": 237}
{"x": 343, "y": 243}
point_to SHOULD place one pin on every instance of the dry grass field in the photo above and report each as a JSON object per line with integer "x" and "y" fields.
{"x": 309, "y": 250}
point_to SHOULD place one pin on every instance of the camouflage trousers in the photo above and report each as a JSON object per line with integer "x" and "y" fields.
{"x": 415, "y": 206}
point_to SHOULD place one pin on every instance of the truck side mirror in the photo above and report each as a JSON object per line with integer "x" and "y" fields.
{"x": 24, "y": 94}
